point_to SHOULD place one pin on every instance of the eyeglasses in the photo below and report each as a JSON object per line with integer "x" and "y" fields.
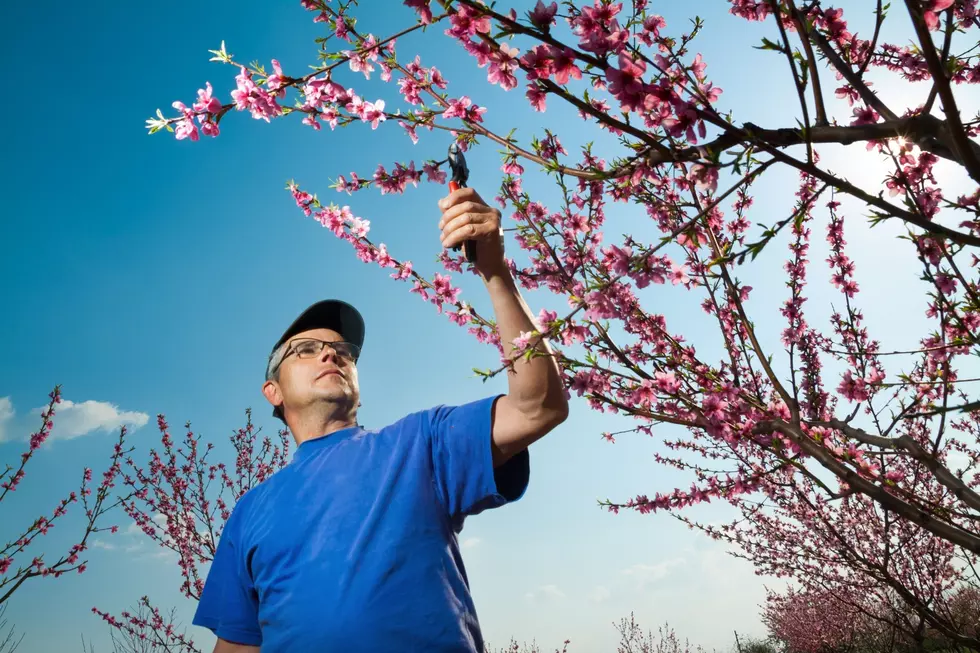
{"x": 311, "y": 348}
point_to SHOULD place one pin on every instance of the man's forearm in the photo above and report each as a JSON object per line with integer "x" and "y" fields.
{"x": 534, "y": 385}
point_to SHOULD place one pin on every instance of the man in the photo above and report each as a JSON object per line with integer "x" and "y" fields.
{"x": 353, "y": 545}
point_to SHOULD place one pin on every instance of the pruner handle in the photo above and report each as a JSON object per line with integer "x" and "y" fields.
{"x": 469, "y": 246}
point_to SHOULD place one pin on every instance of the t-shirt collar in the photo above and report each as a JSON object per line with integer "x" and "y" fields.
{"x": 322, "y": 442}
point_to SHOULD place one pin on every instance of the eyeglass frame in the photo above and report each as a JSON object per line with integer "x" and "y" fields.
{"x": 356, "y": 351}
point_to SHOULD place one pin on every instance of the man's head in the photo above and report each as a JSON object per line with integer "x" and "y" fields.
{"x": 312, "y": 366}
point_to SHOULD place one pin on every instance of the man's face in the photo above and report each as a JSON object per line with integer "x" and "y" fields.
{"x": 328, "y": 376}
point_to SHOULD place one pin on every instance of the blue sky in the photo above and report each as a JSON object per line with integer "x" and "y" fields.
{"x": 152, "y": 276}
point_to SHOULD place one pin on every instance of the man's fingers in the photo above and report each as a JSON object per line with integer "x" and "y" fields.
{"x": 465, "y": 231}
{"x": 458, "y": 210}
{"x": 457, "y": 196}
{"x": 462, "y": 223}
{"x": 450, "y": 223}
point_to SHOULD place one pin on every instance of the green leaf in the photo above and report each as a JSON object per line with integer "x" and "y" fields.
{"x": 769, "y": 45}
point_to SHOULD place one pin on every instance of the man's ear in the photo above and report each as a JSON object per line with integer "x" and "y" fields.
{"x": 272, "y": 394}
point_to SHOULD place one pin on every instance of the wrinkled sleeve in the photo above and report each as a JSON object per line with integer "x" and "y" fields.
{"x": 462, "y": 460}
{"x": 229, "y": 604}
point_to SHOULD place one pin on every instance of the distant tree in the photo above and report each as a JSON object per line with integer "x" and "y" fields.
{"x": 18, "y": 561}
{"x": 811, "y": 621}
{"x": 181, "y": 500}
{"x": 9, "y": 641}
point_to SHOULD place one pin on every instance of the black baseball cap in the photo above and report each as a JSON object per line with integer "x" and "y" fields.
{"x": 332, "y": 314}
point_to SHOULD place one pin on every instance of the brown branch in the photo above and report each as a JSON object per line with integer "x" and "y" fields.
{"x": 910, "y": 128}
{"x": 640, "y": 412}
{"x": 879, "y": 21}
{"x": 965, "y": 408}
{"x": 850, "y": 189}
{"x": 811, "y": 62}
{"x": 960, "y": 143}
{"x": 946, "y": 531}
{"x": 796, "y": 77}
{"x": 854, "y": 79}
{"x": 946, "y": 478}
{"x": 756, "y": 347}
{"x": 947, "y": 42}
{"x": 555, "y": 89}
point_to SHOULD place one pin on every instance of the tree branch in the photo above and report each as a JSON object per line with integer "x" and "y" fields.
{"x": 944, "y": 530}
{"x": 796, "y": 77}
{"x": 852, "y": 78}
{"x": 811, "y": 63}
{"x": 960, "y": 142}
{"x": 946, "y": 478}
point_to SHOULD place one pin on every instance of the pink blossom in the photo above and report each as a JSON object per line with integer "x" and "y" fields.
{"x": 275, "y": 81}
{"x": 465, "y": 109}
{"x": 864, "y": 116}
{"x": 373, "y": 113}
{"x": 359, "y": 227}
{"x": 502, "y": 66}
{"x": 931, "y": 10}
{"x": 946, "y": 284}
{"x": 256, "y": 100}
{"x": 185, "y": 127}
{"x": 206, "y": 101}
{"x": 667, "y": 382}
{"x": 423, "y": 9}
{"x": 466, "y": 22}
{"x": 543, "y": 16}
{"x": 626, "y": 82}
{"x": 536, "y": 96}
{"x": 434, "y": 173}
{"x": 522, "y": 341}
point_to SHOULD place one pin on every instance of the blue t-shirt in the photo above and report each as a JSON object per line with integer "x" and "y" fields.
{"x": 353, "y": 545}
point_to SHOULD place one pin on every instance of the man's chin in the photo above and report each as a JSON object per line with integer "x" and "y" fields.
{"x": 338, "y": 394}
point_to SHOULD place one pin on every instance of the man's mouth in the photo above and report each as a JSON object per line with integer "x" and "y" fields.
{"x": 327, "y": 373}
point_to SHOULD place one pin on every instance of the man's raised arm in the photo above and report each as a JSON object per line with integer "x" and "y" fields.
{"x": 535, "y": 402}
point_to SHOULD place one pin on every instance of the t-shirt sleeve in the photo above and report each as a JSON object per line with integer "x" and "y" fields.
{"x": 462, "y": 460}
{"x": 229, "y": 603}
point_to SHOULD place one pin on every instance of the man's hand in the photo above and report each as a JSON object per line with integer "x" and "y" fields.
{"x": 465, "y": 216}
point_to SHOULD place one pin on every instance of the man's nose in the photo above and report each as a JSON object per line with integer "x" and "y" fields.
{"x": 327, "y": 352}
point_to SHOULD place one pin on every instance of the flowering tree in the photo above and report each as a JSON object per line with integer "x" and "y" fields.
{"x": 181, "y": 501}
{"x": 813, "y": 621}
{"x": 841, "y": 463}
{"x": 17, "y": 564}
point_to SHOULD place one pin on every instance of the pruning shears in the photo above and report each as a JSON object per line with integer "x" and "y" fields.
{"x": 460, "y": 173}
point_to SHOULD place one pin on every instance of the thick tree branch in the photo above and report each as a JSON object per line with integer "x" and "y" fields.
{"x": 946, "y": 478}
{"x": 944, "y": 530}
{"x": 960, "y": 142}
{"x": 844, "y": 186}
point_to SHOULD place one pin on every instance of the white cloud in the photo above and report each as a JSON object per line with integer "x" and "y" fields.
{"x": 545, "y": 592}
{"x": 6, "y": 414}
{"x": 470, "y": 542}
{"x": 646, "y": 575}
{"x": 72, "y": 420}
{"x": 102, "y": 544}
{"x": 599, "y": 594}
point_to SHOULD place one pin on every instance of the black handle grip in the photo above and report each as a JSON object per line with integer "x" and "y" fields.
{"x": 469, "y": 248}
